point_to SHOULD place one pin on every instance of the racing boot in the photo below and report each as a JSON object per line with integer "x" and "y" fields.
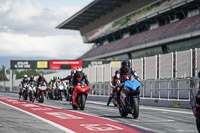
{"x": 109, "y": 101}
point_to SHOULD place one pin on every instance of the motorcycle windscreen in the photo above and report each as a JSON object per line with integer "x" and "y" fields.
{"x": 133, "y": 85}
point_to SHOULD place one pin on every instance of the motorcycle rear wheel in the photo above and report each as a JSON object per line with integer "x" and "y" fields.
{"x": 74, "y": 106}
{"x": 25, "y": 96}
{"x": 123, "y": 113}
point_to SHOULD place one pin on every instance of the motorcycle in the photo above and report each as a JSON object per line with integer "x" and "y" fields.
{"x": 80, "y": 95}
{"x": 59, "y": 88}
{"x": 50, "y": 93}
{"x": 42, "y": 89}
{"x": 25, "y": 91}
{"x": 60, "y": 91}
{"x": 32, "y": 91}
{"x": 129, "y": 97}
{"x": 195, "y": 106}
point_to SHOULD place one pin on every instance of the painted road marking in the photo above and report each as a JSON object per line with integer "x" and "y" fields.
{"x": 74, "y": 125}
{"x": 149, "y": 108}
{"x": 41, "y": 109}
{"x": 47, "y": 121}
{"x": 133, "y": 125}
{"x": 63, "y": 115}
{"x": 30, "y": 105}
{"x": 101, "y": 127}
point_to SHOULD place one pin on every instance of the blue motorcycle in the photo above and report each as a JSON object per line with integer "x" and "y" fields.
{"x": 129, "y": 97}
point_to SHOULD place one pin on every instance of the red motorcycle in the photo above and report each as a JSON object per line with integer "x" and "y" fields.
{"x": 80, "y": 95}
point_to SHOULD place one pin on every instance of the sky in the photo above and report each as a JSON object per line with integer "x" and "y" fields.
{"x": 27, "y": 30}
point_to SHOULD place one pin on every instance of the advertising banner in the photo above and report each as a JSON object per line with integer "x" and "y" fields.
{"x": 64, "y": 64}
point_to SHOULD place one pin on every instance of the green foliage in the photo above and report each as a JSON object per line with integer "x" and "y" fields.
{"x": 2, "y": 74}
{"x": 20, "y": 74}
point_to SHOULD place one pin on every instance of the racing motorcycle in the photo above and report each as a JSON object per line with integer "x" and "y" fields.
{"x": 195, "y": 106}
{"x": 50, "y": 93}
{"x": 32, "y": 91}
{"x": 25, "y": 91}
{"x": 42, "y": 89}
{"x": 129, "y": 97}
{"x": 80, "y": 95}
{"x": 59, "y": 89}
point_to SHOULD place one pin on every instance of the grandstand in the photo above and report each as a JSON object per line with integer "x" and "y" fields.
{"x": 134, "y": 29}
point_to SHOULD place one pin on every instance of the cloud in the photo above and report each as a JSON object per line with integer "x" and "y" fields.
{"x": 59, "y": 46}
{"x": 28, "y": 30}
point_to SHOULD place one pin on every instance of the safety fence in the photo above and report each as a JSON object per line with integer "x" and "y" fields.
{"x": 179, "y": 89}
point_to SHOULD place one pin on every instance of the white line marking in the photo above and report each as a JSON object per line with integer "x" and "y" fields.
{"x": 149, "y": 108}
{"x": 47, "y": 121}
{"x": 144, "y": 128}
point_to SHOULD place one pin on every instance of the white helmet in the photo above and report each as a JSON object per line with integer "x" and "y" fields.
{"x": 25, "y": 76}
{"x": 79, "y": 69}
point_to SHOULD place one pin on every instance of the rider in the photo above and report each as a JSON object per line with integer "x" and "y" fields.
{"x": 69, "y": 78}
{"x": 52, "y": 81}
{"x": 114, "y": 81}
{"x": 125, "y": 72}
{"x": 24, "y": 80}
{"x": 197, "y": 104}
{"x": 78, "y": 76}
{"x": 40, "y": 78}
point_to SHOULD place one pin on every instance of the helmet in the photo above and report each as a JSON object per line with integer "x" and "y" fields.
{"x": 54, "y": 77}
{"x": 125, "y": 65}
{"x": 31, "y": 77}
{"x": 41, "y": 75}
{"x": 60, "y": 78}
{"x": 117, "y": 74}
{"x": 72, "y": 71}
{"x": 199, "y": 74}
{"x": 79, "y": 70}
{"x": 25, "y": 76}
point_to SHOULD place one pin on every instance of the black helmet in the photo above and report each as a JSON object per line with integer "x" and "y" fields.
{"x": 125, "y": 65}
{"x": 40, "y": 76}
{"x": 199, "y": 74}
{"x": 72, "y": 71}
{"x": 31, "y": 77}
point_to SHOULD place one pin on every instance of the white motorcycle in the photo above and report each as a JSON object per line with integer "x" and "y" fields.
{"x": 32, "y": 91}
{"x": 42, "y": 89}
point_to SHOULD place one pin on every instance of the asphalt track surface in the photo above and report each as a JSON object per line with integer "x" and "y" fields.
{"x": 151, "y": 119}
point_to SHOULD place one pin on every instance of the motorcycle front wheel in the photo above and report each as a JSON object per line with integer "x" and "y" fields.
{"x": 82, "y": 102}
{"x": 135, "y": 108}
{"x": 41, "y": 98}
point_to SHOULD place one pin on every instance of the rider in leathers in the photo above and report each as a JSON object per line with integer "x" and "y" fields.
{"x": 114, "y": 82}
{"x": 32, "y": 82}
{"x": 125, "y": 72}
{"x": 78, "y": 76}
{"x": 40, "y": 78}
{"x": 24, "y": 80}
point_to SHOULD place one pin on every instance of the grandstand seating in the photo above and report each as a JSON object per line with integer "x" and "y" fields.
{"x": 183, "y": 26}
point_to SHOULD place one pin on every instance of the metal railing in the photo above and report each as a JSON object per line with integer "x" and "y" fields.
{"x": 178, "y": 89}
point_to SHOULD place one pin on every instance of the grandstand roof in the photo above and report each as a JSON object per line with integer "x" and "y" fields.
{"x": 94, "y": 10}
